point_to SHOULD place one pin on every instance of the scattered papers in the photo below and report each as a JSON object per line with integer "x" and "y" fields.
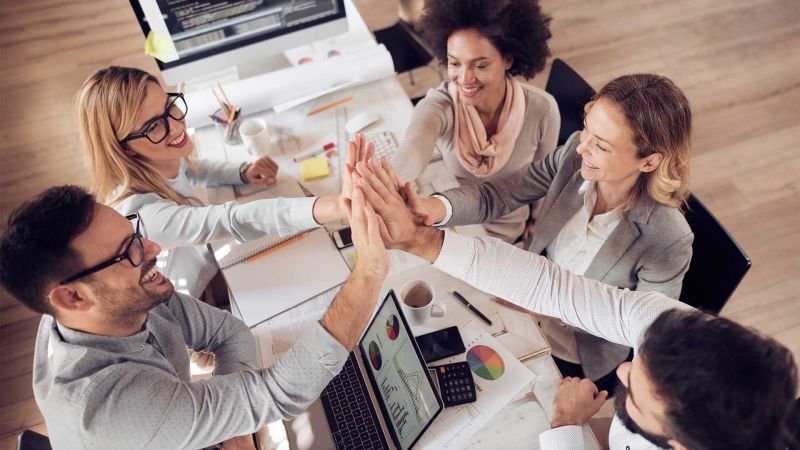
{"x": 499, "y": 377}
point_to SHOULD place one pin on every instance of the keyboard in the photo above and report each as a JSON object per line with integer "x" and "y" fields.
{"x": 385, "y": 144}
{"x": 351, "y": 416}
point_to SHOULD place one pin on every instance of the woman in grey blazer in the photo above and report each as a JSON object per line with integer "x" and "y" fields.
{"x": 611, "y": 209}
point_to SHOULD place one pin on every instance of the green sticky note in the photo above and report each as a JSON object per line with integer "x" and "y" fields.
{"x": 159, "y": 47}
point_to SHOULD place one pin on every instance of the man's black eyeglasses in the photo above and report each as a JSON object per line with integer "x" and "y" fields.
{"x": 157, "y": 129}
{"x": 134, "y": 253}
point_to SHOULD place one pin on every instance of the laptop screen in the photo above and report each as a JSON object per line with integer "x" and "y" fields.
{"x": 399, "y": 375}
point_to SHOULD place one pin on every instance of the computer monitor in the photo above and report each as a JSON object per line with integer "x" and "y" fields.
{"x": 210, "y": 36}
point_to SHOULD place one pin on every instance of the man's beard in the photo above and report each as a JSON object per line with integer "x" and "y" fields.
{"x": 621, "y": 395}
{"x": 131, "y": 302}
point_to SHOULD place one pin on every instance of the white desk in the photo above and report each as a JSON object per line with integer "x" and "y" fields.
{"x": 517, "y": 425}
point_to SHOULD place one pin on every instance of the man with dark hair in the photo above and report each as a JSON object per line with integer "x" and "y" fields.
{"x": 696, "y": 381}
{"x": 111, "y": 368}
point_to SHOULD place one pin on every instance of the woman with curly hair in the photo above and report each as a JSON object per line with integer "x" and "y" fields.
{"x": 485, "y": 123}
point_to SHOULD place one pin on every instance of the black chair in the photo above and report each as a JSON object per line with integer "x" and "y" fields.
{"x": 31, "y": 440}
{"x": 571, "y": 93}
{"x": 718, "y": 263}
{"x": 409, "y": 51}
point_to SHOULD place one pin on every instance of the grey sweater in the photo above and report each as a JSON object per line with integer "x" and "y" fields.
{"x": 432, "y": 125}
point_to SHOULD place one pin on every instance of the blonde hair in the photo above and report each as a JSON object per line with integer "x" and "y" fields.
{"x": 107, "y": 107}
{"x": 660, "y": 119}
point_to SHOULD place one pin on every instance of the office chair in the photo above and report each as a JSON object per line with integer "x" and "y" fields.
{"x": 409, "y": 51}
{"x": 571, "y": 93}
{"x": 718, "y": 263}
{"x": 31, "y": 440}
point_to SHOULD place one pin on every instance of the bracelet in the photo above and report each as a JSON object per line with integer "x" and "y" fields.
{"x": 242, "y": 169}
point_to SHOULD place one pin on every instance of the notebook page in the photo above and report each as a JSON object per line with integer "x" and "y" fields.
{"x": 286, "y": 277}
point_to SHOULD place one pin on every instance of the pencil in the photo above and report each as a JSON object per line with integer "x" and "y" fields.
{"x": 272, "y": 249}
{"x": 227, "y": 101}
{"x": 330, "y": 105}
{"x": 223, "y": 108}
{"x": 229, "y": 128}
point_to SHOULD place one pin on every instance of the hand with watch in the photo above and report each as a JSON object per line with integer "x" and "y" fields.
{"x": 262, "y": 171}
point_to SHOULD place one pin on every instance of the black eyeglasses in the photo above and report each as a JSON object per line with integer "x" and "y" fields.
{"x": 157, "y": 129}
{"x": 134, "y": 253}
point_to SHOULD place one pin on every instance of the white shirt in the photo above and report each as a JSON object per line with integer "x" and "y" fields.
{"x": 184, "y": 231}
{"x": 576, "y": 245}
{"x": 574, "y": 249}
{"x": 534, "y": 283}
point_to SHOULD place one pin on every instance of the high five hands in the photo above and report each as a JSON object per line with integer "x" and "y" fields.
{"x": 404, "y": 219}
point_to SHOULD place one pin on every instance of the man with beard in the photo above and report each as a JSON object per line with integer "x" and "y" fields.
{"x": 696, "y": 381}
{"x": 111, "y": 368}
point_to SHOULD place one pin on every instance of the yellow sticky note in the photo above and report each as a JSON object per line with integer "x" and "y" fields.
{"x": 315, "y": 168}
{"x": 159, "y": 47}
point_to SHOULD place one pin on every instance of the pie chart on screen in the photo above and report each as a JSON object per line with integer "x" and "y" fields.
{"x": 375, "y": 355}
{"x": 392, "y": 327}
{"x": 485, "y": 362}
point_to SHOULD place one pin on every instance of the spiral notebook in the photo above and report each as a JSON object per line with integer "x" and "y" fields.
{"x": 267, "y": 276}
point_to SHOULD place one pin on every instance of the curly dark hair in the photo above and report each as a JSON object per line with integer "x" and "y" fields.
{"x": 517, "y": 28}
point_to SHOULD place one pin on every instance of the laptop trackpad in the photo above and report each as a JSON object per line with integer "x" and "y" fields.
{"x": 310, "y": 430}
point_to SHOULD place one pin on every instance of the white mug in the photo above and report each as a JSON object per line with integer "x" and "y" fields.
{"x": 255, "y": 135}
{"x": 417, "y": 299}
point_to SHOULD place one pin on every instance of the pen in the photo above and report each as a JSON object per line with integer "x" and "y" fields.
{"x": 272, "y": 249}
{"x": 309, "y": 153}
{"x": 330, "y": 105}
{"x": 471, "y": 308}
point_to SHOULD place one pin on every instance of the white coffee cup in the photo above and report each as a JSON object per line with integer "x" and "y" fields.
{"x": 255, "y": 135}
{"x": 417, "y": 299}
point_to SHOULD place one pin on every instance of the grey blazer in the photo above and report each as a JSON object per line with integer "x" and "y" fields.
{"x": 650, "y": 251}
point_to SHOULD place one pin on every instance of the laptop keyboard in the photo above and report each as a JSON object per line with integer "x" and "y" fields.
{"x": 351, "y": 416}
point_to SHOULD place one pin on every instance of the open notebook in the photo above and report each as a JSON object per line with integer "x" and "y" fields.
{"x": 292, "y": 270}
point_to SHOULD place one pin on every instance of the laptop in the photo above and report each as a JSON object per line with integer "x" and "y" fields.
{"x": 384, "y": 397}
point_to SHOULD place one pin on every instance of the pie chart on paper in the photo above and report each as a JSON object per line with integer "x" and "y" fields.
{"x": 375, "y": 355}
{"x": 485, "y": 362}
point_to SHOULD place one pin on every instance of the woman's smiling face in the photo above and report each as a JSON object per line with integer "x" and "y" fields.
{"x": 175, "y": 146}
{"x": 476, "y": 67}
{"x": 607, "y": 147}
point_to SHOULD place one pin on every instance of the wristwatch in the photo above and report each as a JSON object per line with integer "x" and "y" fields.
{"x": 242, "y": 169}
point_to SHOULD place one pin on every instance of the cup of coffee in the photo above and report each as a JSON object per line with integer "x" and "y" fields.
{"x": 255, "y": 135}
{"x": 417, "y": 298}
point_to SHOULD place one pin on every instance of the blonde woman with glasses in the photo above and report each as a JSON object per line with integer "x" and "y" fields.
{"x": 139, "y": 155}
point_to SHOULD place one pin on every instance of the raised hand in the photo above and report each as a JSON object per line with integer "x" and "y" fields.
{"x": 358, "y": 149}
{"x": 364, "y": 224}
{"x": 398, "y": 224}
{"x": 263, "y": 171}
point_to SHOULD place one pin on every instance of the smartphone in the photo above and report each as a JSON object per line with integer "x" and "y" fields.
{"x": 342, "y": 238}
{"x": 440, "y": 344}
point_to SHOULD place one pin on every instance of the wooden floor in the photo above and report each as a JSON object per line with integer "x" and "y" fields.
{"x": 737, "y": 60}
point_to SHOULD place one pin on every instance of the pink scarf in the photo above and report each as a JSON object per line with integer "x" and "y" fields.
{"x": 481, "y": 156}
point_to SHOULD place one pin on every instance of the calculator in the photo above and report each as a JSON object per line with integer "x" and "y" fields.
{"x": 456, "y": 385}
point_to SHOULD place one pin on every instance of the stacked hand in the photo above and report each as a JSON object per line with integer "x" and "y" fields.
{"x": 263, "y": 171}
{"x": 403, "y": 218}
{"x": 358, "y": 150}
{"x": 364, "y": 224}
